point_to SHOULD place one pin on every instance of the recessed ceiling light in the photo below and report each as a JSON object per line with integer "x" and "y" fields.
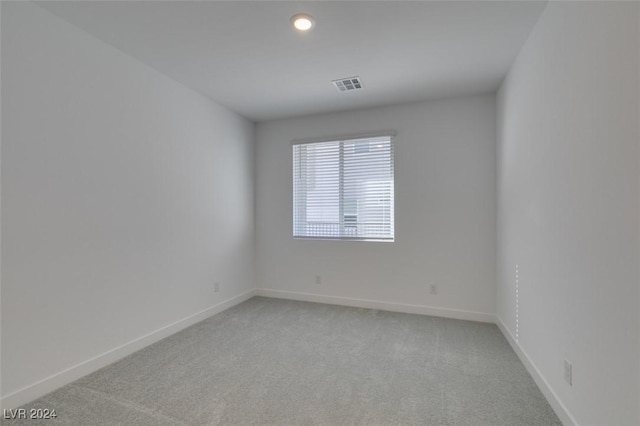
{"x": 302, "y": 22}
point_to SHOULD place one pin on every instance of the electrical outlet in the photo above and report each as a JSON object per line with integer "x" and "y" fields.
{"x": 318, "y": 279}
{"x": 568, "y": 372}
{"x": 433, "y": 289}
{"x": 216, "y": 287}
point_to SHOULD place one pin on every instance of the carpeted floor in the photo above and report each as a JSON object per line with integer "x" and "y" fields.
{"x": 278, "y": 362}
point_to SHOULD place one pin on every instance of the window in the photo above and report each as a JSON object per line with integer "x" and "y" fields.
{"x": 343, "y": 189}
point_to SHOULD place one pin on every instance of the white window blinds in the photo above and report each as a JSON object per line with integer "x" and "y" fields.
{"x": 343, "y": 189}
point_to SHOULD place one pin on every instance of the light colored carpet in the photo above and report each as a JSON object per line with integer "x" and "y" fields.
{"x": 279, "y": 362}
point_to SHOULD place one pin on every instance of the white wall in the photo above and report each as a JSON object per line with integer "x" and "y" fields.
{"x": 568, "y": 206}
{"x": 445, "y": 212}
{"x": 125, "y": 196}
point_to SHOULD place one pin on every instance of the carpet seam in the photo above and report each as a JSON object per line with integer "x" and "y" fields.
{"x": 128, "y": 404}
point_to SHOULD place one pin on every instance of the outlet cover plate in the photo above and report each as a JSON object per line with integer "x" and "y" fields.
{"x": 568, "y": 372}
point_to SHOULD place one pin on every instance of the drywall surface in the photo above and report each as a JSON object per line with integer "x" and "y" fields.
{"x": 568, "y": 206}
{"x": 125, "y": 196}
{"x": 444, "y": 211}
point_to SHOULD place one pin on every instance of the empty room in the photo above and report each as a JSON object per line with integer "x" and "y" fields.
{"x": 320, "y": 213}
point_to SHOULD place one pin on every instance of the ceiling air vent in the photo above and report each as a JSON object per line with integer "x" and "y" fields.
{"x": 346, "y": 84}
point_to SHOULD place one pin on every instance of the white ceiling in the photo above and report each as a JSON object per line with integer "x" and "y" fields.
{"x": 246, "y": 56}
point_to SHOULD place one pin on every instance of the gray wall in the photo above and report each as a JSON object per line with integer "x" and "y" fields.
{"x": 445, "y": 212}
{"x": 125, "y": 196}
{"x": 568, "y": 206}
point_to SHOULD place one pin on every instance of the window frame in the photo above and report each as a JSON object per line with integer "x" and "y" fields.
{"x": 342, "y": 139}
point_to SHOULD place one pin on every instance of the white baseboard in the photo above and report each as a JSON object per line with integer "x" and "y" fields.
{"x": 51, "y": 383}
{"x": 374, "y": 304}
{"x": 558, "y": 407}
